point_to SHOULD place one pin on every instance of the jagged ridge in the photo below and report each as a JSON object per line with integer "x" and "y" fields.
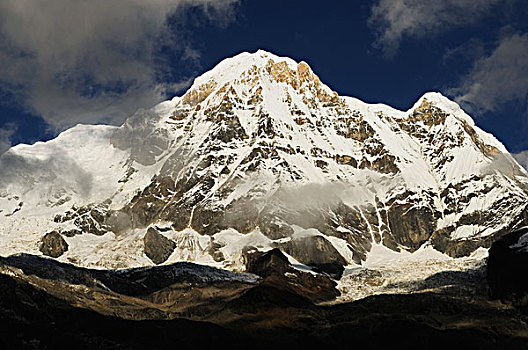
{"x": 260, "y": 154}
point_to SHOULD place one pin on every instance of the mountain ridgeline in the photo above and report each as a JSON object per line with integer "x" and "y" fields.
{"x": 260, "y": 154}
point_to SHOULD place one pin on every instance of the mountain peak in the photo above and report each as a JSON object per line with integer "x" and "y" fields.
{"x": 441, "y": 101}
{"x": 232, "y": 67}
{"x": 260, "y": 154}
{"x": 260, "y": 69}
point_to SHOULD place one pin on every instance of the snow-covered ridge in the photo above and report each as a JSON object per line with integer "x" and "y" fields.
{"x": 259, "y": 153}
{"x": 231, "y": 68}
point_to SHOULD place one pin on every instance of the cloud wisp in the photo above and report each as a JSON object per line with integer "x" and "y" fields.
{"x": 500, "y": 77}
{"x": 5, "y": 134}
{"x": 74, "y": 61}
{"x": 395, "y": 20}
{"x": 522, "y": 158}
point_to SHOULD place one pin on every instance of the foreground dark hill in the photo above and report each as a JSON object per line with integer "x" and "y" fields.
{"x": 508, "y": 267}
{"x": 51, "y": 305}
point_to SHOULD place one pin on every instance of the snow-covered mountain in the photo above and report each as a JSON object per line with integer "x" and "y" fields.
{"x": 259, "y": 154}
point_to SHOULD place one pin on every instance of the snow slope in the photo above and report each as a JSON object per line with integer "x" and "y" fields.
{"x": 259, "y": 153}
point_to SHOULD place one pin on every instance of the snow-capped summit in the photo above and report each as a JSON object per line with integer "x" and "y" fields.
{"x": 260, "y": 154}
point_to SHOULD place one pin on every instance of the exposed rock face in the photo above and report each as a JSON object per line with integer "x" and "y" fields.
{"x": 266, "y": 264}
{"x": 157, "y": 247}
{"x": 508, "y": 267}
{"x": 260, "y": 150}
{"x": 87, "y": 219}
{"x": 276, "y": 269}
{"x": 318, "y": 252}
{"x": 53, "y": 244}
{"x": 411, "y": 226}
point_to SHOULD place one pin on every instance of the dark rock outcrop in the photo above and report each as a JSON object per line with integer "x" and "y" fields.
{"x": 52, "y": 244}
{"x": 273, "y": 227}
{"x": 508, "y": 267}
{"x": 179, "y": 214}
{"x": 157, "y": 247}
{"x": 411, "y": 226}
{"x": 276, "y": 270}
{"x": 268, "y": 263}
{"x": 87, "y": 219}
{"x": 318, "y": 252}
{"x": 207, "y": 221}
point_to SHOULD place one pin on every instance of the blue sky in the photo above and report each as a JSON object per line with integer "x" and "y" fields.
{"x": 64, "y": 62}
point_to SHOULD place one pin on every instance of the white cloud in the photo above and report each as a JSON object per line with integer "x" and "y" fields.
{"x": 470, "y": 50}
{"x": 500, "y": 77}
{"x": 522, "y": 158}
{"x": 5, "y": 135}
{"x": 91, "y": 61}
{"x": 394, "y": 20}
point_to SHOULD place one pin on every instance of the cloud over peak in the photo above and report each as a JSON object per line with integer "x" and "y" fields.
{"x": 92, "y": 61}
{"x": 522, "y": 158}
{"x": 5, "y": 134}
{"x": 394, "y": 20}
{"x": 501, "y": 76}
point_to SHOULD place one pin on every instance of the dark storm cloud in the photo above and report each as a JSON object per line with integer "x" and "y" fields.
{"x": 92, "y": 61}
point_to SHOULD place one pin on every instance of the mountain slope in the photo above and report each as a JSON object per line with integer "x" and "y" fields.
{"x": 259, "y": 154}
{"x": 47, "y": 304}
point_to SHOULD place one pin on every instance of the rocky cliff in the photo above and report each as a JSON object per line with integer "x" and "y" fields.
{"x": 260, "y": 154}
